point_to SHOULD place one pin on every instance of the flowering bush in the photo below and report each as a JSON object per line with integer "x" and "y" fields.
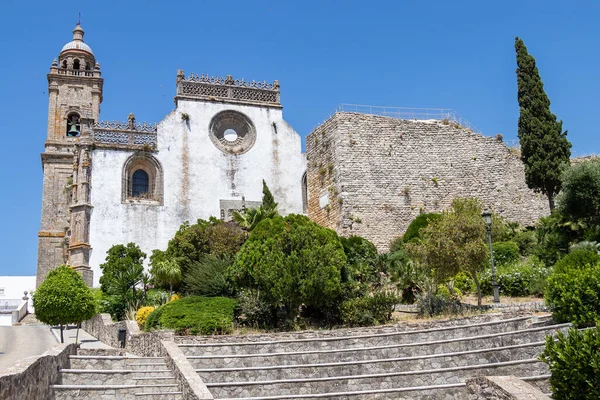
{"x": 142, "y": 314}
{"x": 174, "y": 297}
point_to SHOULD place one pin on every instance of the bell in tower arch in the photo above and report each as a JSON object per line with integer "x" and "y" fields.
{"x": 73, "y": 127}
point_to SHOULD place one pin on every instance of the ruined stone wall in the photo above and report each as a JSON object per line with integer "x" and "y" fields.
{"x": 383, "y": 172}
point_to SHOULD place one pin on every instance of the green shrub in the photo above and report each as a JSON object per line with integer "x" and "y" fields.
{"x": 464, "y": 283}
{"x": 252, "y": 310}
{"x": 361, "y": 257}
{"x": 577, "y": 259}
{"x": 414, "y": 228}
{"x": 573, "y": 292}
{"x": 194, "y": 315}
{"x": 505, "y": 253}
{"x": 369, "y": 310}
{"x": 574, "y": 361}
{"x": 526, "y": 240}
{"x": 208, "y": 276}
{"x": 429, "y": 305}
{"x": 292, "y": 261}
{"x": 527, "y": 278}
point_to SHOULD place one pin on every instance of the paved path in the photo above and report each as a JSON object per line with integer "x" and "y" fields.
{"x": 19, "y": 342}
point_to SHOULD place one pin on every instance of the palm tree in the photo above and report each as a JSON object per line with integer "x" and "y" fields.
{"x": 167, "y": 272}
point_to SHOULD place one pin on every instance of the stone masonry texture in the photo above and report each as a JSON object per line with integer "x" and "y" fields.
{"x": 379, "y": 173}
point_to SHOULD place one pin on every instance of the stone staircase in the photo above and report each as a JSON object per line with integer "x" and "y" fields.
{"x": 391, "y": 362}
{"x": 120, "y": 377}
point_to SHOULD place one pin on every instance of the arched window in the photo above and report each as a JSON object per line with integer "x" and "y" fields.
{"x": 76, "y": 63}
{"x": 142, "y": 180}
{"x": 88, "y": 67}
{"x": 139, "y": 184}
{"x": 64, "y": 64}
{"x": 73, "y": 125}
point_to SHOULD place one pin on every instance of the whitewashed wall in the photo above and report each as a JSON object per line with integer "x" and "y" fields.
{"x": 196, "y": 176}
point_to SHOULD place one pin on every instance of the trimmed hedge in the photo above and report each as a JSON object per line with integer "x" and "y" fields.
{"x": 573, "y": 292}
{"x": 194, "y": 315}
{"x": 574, "y": 361}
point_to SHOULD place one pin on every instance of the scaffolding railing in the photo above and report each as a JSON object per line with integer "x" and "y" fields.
{"x": 408, "y": 113}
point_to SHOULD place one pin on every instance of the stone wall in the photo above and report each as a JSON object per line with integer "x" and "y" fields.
{"x": 191, "y": 383}
{"x": 146, "y": 344}
{"x": 33, "y": 377}
{"x": 379, "y": 173}
{"x": 502, "y": 388}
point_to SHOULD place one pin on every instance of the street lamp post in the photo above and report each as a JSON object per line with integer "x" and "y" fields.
{"x": 487, "y": 217}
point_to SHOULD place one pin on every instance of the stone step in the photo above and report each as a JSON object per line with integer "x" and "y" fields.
{"x": 431, "y": 361}
{"x": 405, "y": 379}
{"x": 455, "y": 345}
{"x": 253, "y": 346}
{"x": 541, "y": 382}
{"x": 117, "y": 362}
{"x": 115, "y": 377}
{"x": 121, "y": 392}
{"x": 457, "y": 391}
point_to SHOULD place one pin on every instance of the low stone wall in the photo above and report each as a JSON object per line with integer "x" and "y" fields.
{"x": 502, "y": 388}
{"x": 146, "y": 344}
{"x": 191, "y": 383}
{"x": 33, "y": 377}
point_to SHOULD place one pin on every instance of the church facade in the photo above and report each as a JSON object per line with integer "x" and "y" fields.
{"x": 107, "y": 183}
{"x": 365, "y": 174}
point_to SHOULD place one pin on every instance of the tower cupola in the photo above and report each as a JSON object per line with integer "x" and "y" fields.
{"x": 77, "y": 55}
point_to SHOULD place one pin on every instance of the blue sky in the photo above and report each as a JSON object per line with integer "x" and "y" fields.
{"x": 439, "y": 54}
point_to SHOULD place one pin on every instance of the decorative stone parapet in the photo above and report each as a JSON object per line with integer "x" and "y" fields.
{"x": 227, "y": 89}
{"x": 502, "y": 388}
{"x": 146, "y": 344}
{"x": 116, "y": 133}
{"x": 33, "y": 377}
{"x": 191, "y": 383}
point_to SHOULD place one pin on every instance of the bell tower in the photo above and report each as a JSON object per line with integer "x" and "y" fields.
{"x": 75, "y": 94}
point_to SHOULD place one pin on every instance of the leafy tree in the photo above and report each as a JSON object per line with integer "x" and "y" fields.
{"x": 574, "y": 360}
{"x": 63, "y": 298}
{"x": 579, "y": 199}
{"x": 192, "y": 242}
{"x": 453, "y": 243}
{"x": 292, "y": 261}
{"x": 122, "y": 273}
{"x": 250, "y": 217}
{"x": 544, "y": 145}
{"x": 166, "y": 272}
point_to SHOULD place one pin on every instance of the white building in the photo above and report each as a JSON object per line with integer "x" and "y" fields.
{"x": 109, "y": 183}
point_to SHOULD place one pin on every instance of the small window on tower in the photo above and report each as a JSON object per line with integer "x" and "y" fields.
{"x": 64, "y": 64}
{"x": 76, "y": 64}
{"x": 139, "y": 186}
{"x": 73, "y": 125}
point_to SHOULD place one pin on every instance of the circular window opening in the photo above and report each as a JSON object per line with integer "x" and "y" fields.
{"x": 230, "y": 135}
{"x": 232, "y": 132}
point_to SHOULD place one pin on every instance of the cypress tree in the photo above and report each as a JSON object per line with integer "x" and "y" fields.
{"x": 268, "y": 201}
{"x": 544, "y": 145}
